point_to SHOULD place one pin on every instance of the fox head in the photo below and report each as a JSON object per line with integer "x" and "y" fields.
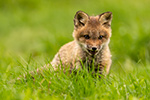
{"x": 92, "y": 33}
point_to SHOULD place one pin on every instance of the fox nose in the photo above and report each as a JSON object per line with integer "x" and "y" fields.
{"x": 94, "y": 48}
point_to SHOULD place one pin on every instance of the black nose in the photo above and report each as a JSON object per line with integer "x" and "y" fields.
{"x": 94, "y": 48}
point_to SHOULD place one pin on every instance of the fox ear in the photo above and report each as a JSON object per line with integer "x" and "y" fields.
{"x": 80, "y": 19}
{"x": 105, "y": 18}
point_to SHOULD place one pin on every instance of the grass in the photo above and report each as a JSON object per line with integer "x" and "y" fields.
{"x": 32, "y": 31}
{"x": 133, "y": 84}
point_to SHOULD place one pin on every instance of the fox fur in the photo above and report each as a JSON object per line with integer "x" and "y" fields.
{"x": 90, "y": 45}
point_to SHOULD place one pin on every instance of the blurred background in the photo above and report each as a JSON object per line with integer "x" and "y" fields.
{"x": 40, "y": 27}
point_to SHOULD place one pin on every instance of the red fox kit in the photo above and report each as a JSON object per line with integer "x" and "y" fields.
{"x": 90, "y": 46}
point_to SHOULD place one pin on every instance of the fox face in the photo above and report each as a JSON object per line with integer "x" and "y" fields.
{"x": 92, "y": 32}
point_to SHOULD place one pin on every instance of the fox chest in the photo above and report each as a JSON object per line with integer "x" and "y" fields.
{"x": 92, "y": 62}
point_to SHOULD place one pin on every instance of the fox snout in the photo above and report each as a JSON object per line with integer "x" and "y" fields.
{"x": 93, "y": 50}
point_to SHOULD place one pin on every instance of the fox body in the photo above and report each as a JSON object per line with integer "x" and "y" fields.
{"x": 90, "y": 46}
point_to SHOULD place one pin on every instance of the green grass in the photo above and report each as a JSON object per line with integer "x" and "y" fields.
{"x": 133, "y": 83}
{"x": 32, "y": 31}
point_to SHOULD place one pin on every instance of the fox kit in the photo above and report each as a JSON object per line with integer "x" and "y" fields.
{"x": 90, "y": 46}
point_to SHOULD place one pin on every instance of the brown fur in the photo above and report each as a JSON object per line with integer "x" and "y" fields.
{"x": 89, "y": 32}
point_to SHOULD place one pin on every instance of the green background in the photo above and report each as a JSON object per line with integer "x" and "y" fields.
{"x": 32, "y": 31}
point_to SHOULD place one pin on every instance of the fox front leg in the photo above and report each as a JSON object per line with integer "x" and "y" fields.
{"x": 78, "y": 65}
{"x": 100, "y": 70}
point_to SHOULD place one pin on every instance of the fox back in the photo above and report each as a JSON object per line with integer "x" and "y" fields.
{"x": 90, "y": 46}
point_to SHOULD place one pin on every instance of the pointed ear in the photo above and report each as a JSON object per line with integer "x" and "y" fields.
{"x": 80, "y": 19}
{"x": 105, "y": 18}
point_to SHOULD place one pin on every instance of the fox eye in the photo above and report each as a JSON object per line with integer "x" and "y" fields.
{"x": 100, "y": 37}
{"x": 86, "y": 36}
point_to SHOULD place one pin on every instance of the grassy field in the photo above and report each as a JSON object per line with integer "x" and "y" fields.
{"x": 32, "y": 31}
